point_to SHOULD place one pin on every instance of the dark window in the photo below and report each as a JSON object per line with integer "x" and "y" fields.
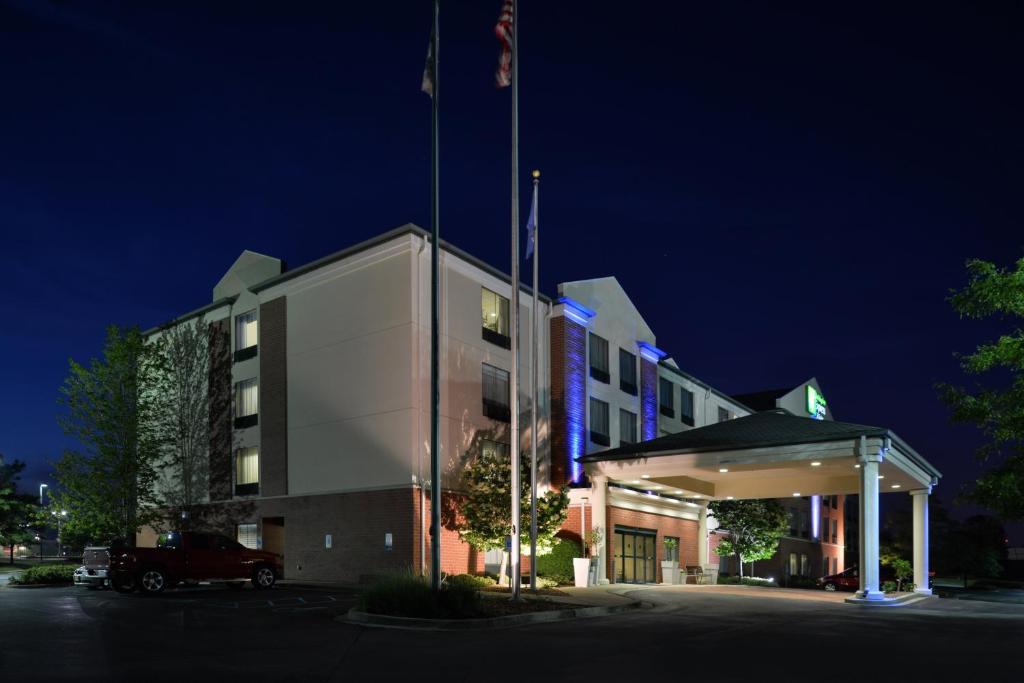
{"x": 246, "y": 353}
{"x": 803, "y": 524}
{"x": 494, "y": 308}
{"x": 723, "y": 414}
{"x": 627, "y": 427}
{"x": 824, "y": 571}
{"x": 835, "y": 502}
{"x": 686, "y": 406}
{"x": 199, "y": 542}
{"x": 599, "y": 358}
{"x": 835, "y": 530}
{"x": 627, "y": 372}
{"x": 496, "y": 396}
{"x": 599, "y": 422}
{"x": 666, "y": 400}
{"x": 794, "y": 523}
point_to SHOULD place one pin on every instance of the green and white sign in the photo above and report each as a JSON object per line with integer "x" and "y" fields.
{"x": 817, "y": 406}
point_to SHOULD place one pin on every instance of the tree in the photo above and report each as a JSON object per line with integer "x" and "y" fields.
{"x": 486, "y": 513}
{"x": 181, "y": 389}
{"x": 754, "y": 526}
{"x": 107, "y": 486}
{"x": 997, "y": 406}
{"x": 15, "y": 509}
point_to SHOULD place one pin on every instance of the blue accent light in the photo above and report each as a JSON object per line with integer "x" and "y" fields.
{"x": 576, "y": 311}
{"x": 575, "y": 395}
{"x": 815, "y": 517}
{"x": 650, "y": 352}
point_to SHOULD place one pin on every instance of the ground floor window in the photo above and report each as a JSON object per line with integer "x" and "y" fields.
{"x": 805, "y": 566}
{"x": 793, "y": 566}
{"x": 246, "y": 535}
{"x": 635, "y": 553}
{"x": 824, "y": 571}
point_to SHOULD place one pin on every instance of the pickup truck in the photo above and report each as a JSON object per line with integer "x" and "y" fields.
{"x": 188, "y": 556}
{"x": 95, "y": 565}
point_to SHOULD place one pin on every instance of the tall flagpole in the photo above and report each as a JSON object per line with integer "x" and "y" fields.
{"x": 435, "y": 299}
{"x": 534, "y": 362}
{"x": 514, "y": 375}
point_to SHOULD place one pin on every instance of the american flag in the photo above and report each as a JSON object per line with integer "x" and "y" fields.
{"x": 503, "y": 29}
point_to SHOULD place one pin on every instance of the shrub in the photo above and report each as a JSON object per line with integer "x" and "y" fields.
{"x": 406, "y": 594}
{"x": 889, "y": 587}
{"x": 45, "y": 574}
{"x": 745, "y": 581}
{"x": 557, "y": 565}
{"x": 801, "y": 582}
{"x": 470, "y": 581}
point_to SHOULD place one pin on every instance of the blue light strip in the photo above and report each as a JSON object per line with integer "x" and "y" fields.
{"x": 815, "y": 517}
{"x": 650, "y": 352}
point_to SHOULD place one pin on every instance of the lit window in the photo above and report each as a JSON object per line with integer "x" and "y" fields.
{"x": 793, "y": 567}
{"x": 496, "y": 393}
{"x": 627, "y": 427}
{"x": 599, "y": 358}
{"x": 627, "y": 372}
{"x": 724, "y": 414}
{"x": 494, "y": 308}
{"x": 686, "y": 406}
{"x": 666, "y": 397}
{"x": 246, "y": 330}
{"x": 805, "y": 567}
{"x": 246, "y": 403}
{"x": 247, "y": 471}
{"x": 246, "y": 535}
{"x": 599, "y": 422}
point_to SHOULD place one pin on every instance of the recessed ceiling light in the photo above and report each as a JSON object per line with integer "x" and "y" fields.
{"x": 678, "y": 491}
{"x": 815, "y": 464}
{"x": 881, "y": 476}
{"x": 696, "y": 495}
{"x": 723, "y": 470}
{"x": 895, "y": 486}
{"x": 645, "y": 476}
{"x": 728, "y": 497}
{"x": 636, "y": 481}
{"x": 796, "y": 494}
{"x": 856, "y": 467}
{"x": 656, "y": 486}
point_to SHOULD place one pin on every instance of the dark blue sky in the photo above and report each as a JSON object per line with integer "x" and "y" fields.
{"x": 784, "y": 191}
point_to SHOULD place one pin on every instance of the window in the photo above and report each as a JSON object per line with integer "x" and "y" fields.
{"x": 824, "y": 567}
{"x": 805, "y": 567}
{"x": 627, "y": 372}
{"x": 489, "y": 447}
{"x": 671, "y": 554}
{"x": 247, "y": 471}
{"x": 245, "y": 335}
{"x": 170, "y": 541}
{"x": 627, "y": 427}
{"x": 496, "y": 396}
{"x": 724, "y": 414}
{"x": 686, "y": 406}
{"x": 803, "y": 524}
{"x": 793, "y": 521}
{"x": 824, "y": 527}
{"x": 793, "y": 567}
{"x": 494, "y": 308}
{"x": 246, "y": 403}
{"x": 599, "y": 422}
{"x": 835, "y": 530}
{"x": 246, "y": 535}
{"x": 599, "y": 358}
{"x": 835, "y": 565}
{"x": 666, "y": 402}
{"x": 835, "y": 502}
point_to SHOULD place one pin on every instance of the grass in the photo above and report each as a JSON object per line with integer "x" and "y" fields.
{"x": 45, "y": 575}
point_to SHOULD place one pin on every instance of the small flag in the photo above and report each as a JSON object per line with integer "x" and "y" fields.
{"x": 427, "y": 85}
{"x": 503, "y": 29}
{"x": 531, "y": 225}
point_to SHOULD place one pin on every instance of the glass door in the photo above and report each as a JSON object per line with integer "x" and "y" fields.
{"x": 635, "y": 556}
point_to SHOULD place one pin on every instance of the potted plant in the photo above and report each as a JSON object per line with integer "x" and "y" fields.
{"x": 585, "y": 568}
{"x": 670, "y": 568}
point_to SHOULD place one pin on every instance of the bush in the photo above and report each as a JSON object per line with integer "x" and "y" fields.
{"x": 889, "y": 587}
{"x": 745, "y": 581}
{"x": 557, "y": 565}
{"x": 406, "y": 594}
{"x": 45, "y": 574}
{"x": 470, "y": 581}
{"x": 801, "y": 582}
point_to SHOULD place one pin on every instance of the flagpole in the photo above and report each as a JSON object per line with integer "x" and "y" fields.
{"x": 435, "y": 298}
{"x": 535, "y": 362}
{"x": 514, "y": 375}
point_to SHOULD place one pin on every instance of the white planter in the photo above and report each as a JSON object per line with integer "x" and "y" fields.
{"x": 581, "y": 571}
{"x": 669, "y": 572}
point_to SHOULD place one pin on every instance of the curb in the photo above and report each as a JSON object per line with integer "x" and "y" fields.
{"x": 901, "y": 601}
{"x": 358, "y": 618}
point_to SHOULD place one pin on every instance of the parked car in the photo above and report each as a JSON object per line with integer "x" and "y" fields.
{"x": 192, "y": 557}
{"x": 94, "y": 572}
{"x": 849, "y": 579}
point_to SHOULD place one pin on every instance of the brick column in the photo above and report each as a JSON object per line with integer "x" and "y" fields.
{"x": 568, "y": 398}
{"x": 274, "y": 397}
{"x": 649, "y": 357}
{"x": 221, "y": 433}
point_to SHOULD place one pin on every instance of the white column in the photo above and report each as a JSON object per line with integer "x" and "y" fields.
{"x": 869, "y": 524}
{"x": 702, "y": 537}
{"x": 920, "y": 497}
{"x": 598, "y": 507}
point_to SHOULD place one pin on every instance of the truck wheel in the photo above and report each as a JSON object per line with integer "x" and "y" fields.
{"x": 152, "y": 581}
{"x": 123, "y": 584}
{"x": 830, "y": 587}
{"x": 264, "y": 577}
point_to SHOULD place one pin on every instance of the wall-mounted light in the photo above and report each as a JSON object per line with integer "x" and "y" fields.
{"x": 723, "y": 470}
{"x": 816, "y": 463}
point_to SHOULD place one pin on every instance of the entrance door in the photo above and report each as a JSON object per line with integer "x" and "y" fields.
{"x": 635, "y": 555}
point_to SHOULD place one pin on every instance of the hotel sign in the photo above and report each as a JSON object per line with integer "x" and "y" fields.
{"x": 817, "y": 406}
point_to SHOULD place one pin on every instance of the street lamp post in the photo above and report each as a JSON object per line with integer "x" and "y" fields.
{"x": 63, "y": 514}
{"x": 41, "y": 487}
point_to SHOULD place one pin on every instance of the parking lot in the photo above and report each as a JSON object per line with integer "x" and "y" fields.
{"x": 712, "y": 633}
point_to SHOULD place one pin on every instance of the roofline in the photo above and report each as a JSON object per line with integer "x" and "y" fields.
{"x": 913, "y": 455}
{"x": 408, "y": 228}
{"x": 600, "y": 456}
{"x": 721, "y": 394}
{"x": 224, "y": 301}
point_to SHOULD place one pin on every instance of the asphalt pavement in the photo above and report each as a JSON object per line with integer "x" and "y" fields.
{"x": 712, "y": 633}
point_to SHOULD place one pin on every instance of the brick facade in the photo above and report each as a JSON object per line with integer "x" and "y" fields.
{"x": 648, "y": 399}
{"x": 568, "y": 397}
{"x": 221, "y": 434}
{"x": 274, "y": 397}
{"x": 686, "y": 530}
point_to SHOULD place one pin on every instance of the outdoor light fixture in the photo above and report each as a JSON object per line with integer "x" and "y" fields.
{"x": 636, "y": 481}
{"x": 796, "y": 494}
{"x": 816, "y": 464}
{"x": 895, "y": 486}
{"x": 728, "y": 497}
{"x": 645, "y": 476}
{"x": 856, "y": 467}
{"x": 881, "y": 476}
{"x": 723, "y": 470}
{"x": 678, "y": 491}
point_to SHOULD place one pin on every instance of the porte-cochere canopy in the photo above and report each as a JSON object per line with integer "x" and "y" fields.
{"x": 776, "y": 454}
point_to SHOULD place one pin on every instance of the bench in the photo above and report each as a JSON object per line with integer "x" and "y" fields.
{"x": 696, "y": 571}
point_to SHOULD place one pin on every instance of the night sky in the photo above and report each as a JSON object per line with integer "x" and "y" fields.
{"x": 784, "y": 192}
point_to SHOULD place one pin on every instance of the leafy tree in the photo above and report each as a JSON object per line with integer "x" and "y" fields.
{"x": 107, "y": 486}
{"x": 755, "y": 528}
{"x": 16, "y": 510}
{"x": 486, "y": 513}
{"x": 997, "y": 406}
{"x": 902, "y": 568}
{"x": 181, "y": 390}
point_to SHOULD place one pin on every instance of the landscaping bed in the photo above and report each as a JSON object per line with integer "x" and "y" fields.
{"x": 45, "y": 575}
